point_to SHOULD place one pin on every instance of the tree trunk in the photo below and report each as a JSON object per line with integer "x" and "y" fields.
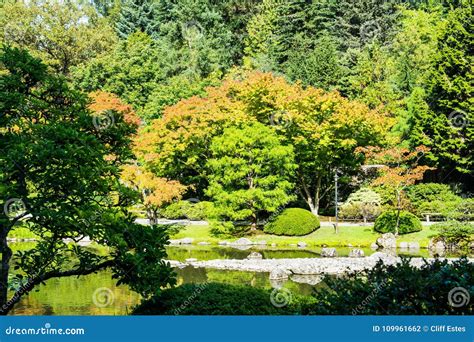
{"x": 5, "y": 267}
{"x": 398, "y": 212}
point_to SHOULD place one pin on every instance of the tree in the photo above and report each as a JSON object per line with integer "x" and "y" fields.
{"x": 319, "y": 66}
{"x": 400, "y": 170}
{"x": 59, "y": 175}
{"x": 137, "y": 16}
{"x": 324, "y": 128}
{"x": 249, "y": 172}
{"x": 364, "y": 203}
{"x": 155, "y": 191}
{"x": 131, "y": 71}
{"x": 450, "y": 126}
{"x": 62, "y": 34}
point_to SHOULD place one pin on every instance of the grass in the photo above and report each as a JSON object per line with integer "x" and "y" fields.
{"x": 21, "y": 233}
{"x": 362, "y": 236}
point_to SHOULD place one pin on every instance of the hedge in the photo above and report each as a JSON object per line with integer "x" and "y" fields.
{"x": 293, "y": 221}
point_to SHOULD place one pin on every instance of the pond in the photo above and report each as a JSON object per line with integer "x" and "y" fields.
{"x": 97, "y": 294}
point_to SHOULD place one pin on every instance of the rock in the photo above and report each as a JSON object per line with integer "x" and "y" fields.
{"x": 328, "y": 252}
{"x": 356, "y": 253}
{"x": 471, "y": 246}
{"x": 437, "y": 245}
{"x": 191, "y": 260}
{"x": 261, "y": 243}
{"x": 242, "y": 242}
{"x": 204, "y": 243}
{"x": 349, "y": 245}
{"x": 386, "y": 258}
{"x": 175, "y": 242}
{"x": 307, "y": 279}
{"x": 387, "y": 240}
{"x": 403, "y": 244}
{"x": 292, "y": 245}
{"x": 255, "y": 255}
{"x": 223, "y": 243}
{"x": 302, "y": 244}
{"x": 374, "y": 246}
{"x": 279, "y": 273}
{"x": 413, "y": 245}
{"x": 187, "y": 241}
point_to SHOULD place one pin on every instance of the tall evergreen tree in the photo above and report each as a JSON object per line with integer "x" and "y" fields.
{"x": 449, "y": 128}
{"x": 137, "y": 15}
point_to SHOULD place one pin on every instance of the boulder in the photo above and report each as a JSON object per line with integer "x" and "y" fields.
{"x": 386, "y": 258}
{"x": 242, "y": 242}
{"x": 255, "y": 256}
{"x": 204, "y": 243}
{"x": 387, "y": 240}
{"x": 174, "y": 242}
{"x": 191, "y": 260}
{"x": 279, "y": 273}
{"x": 356, "y": 253}
{"x": 328, "y": 252}
{"x": 223, "y": 243}
{"x": 186, "y": 241}
{"x": 403, "y": 244}
{"x": 413, "y": 245}
{"x": 439, "y": 245}
{"x": 373, "y": 245}
{"x": 301, "y": 244}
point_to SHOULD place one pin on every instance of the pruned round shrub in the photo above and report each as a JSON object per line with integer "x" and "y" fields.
{"x": 408, "y": 223}
{"x": 293, "y": 221}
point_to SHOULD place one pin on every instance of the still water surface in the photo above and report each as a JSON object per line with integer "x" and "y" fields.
{"x": 97, "y": 294}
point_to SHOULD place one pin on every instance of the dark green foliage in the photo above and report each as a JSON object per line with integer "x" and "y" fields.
{"x": 188, "y": 210}
{"x": 216, "y": 299}
{"x": 456, "y": 234}
{"x": 399, "y": 290}
{"x": 293, "y": 221}
{"x": 447, "y": 125}
{"x": 64, "y": 165}
{"x": 408, "y": 223}
{"x": 428, "y": 192}
{"x": 137, "y": 15}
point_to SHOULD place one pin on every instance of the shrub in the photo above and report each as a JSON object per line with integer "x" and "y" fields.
{"x": 217, "y": 299}
{"x": 227, "y": 228}
{"x": 387, "y": 222}
{"x": 363, "y": 204}
{"x": 188, "y": 210}
{"x": 455, "y": 233}
{"x": 400, "y": 289}
{"x": 293, "y": 221}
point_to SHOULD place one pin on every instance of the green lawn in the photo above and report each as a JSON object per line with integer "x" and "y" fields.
{"x": 357, "y": 236}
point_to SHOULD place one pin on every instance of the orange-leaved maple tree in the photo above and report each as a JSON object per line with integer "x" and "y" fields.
{"x": 323, "y": 127}
{"x": 155, "y": 191}
{"x": 399, "y": 169}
